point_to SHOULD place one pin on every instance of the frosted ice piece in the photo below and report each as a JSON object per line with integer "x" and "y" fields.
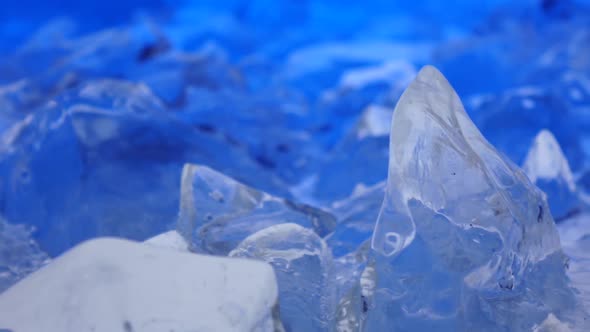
{"x": 19, "y": 254}
{"x": 547, "y": 167}
{"x": 375, "y": 121}
{"x": 463, "y": 240}
{"x": 117, "y": 285}
{"x": 218, "y": 212}
{"x": 356, "y": 217}
{"x": 398, "y": 72}
{"x": 119, "y": 95}
{"x": 320, "y": 57}
{"x": 301, "y": 261}
{"x": 545, "y": 160}
{"x": 552, "y": 324}
{"x": 170, "y": 240}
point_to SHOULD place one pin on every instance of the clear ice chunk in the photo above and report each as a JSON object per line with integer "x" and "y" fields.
{"x": 218, "y": 212}
{"x": 463, "y": 240}
{"x": 547, "y": 167}
{"x": 301, "y": 261}
{"x": 117, "y": 285}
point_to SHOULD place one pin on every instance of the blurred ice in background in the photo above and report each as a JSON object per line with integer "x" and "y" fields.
{"x": 284, "y": 104}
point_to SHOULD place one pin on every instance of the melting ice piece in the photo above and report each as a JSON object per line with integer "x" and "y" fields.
{"x": 301, "y": 261}
{"x": 19, "y": 254}
{"x": 463, "y": 240}
{"x": 547, "y": 167}
{"x": 217, "y": 212}
{"x": 117, "y": 285}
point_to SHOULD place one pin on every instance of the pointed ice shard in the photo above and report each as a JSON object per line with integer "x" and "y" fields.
{"x": 547, "y": 167}
{"x": 301, "y": 261}
{"x": 545, "y": 160}
{"x": 218, "y": 212}
{"x": 463, "y": 240}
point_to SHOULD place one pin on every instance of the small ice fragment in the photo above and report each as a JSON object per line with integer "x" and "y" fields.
{"x": 301, "y": 261}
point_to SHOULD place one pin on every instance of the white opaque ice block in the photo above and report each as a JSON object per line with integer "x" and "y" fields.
{"x": 117, "y": 285}
{"x": 169, "y": 240}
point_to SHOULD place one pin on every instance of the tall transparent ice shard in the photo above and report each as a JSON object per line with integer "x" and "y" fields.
{"x": 547, "y": 167}
{"x": 463, "y": 241}
{"x": 302, "y": 262}
{"x": 218, "y": 212}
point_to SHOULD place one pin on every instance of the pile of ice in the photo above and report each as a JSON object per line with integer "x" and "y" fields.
{"x": 458, "y": 238}
{"x": 265, "y": 131}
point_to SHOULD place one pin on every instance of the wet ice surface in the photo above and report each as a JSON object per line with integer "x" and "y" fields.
{"x": 265, "y": 131}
